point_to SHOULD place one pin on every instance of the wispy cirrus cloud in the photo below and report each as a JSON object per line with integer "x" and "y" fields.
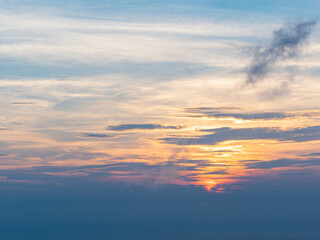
{"x": 54, "y": 39}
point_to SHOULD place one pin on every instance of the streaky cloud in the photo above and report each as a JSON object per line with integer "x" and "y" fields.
{"x": 217, "y": 113}
{"x": 23, "y": 103}
{"x": 312, "y": 154}
{"x": 221, "y": 172}
{"x": 96, "y": 135}
{"x": 229, "y": 134}
{"x": 286, "y": 43}
{"x": 285, "y": 162}
{"x": 125, "y": 127}
{"x": 204, "y": 109}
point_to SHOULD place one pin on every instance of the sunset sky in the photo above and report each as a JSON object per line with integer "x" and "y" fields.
{"x": 152, "y": 120}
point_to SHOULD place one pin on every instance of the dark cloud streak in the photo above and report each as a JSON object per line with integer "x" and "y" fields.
{"x": 96, "y": 135}
{"x": 230, "y": 134}
{"x": 286, "y": 43}
{"x": 23, "y": 103}
{"x": 216, "y": 113}
{"x": 124, "y": 127}
{"x": 279, "y": 163}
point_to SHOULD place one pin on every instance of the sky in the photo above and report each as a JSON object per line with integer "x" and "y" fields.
{"x": 159, "y": 119}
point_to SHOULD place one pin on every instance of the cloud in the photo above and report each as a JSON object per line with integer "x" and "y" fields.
{"x": 278, "y": 91}
{"x": 205, "y": 109}
{"x": 220, "y": 113}
{"x": 220, "y": 172}
{"x": 252, "y": 116}
{"x": 75, "y": 104}
{"x": 286, "y": 43}
{"x": 124, "y": 127}
{"x": 228, "y": 134}
{"x": 49, "y": 40}
{"x": 96, "y": 135}
{"x": 67, "y": 174}
{"x": 213, "y": 112}
{"x": 285, "y": 162}
{"x": 23, "y": 103}
{"x": 311, "y": 154}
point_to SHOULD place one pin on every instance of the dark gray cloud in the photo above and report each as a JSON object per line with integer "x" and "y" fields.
{"x": 221, "y": 172}
{"x": 217, "y": 113}
{"x": 311, "y": 154}
{"x": 251, "y": 116}
{"x": 205, "y": 109}
{"x": 125, "y": 168}
{"x": 198, "y": 162}
{"x": 124, "y": 127}
{"x": 213, "y": 112}
{"x": 227, "y": 134}
{"x": 96, "y": 135}
{"x": 285, "y": 162}
{"x": 23, "y": 103}
{"x": 286, "y": 43}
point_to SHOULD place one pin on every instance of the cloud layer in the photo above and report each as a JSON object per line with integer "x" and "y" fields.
{"x": 124, "y": 127}
{"x": 228, "y": 134}
{"x": 284, "y": 163}
{"x": 286, "y": 43}
{"x": 227, "y": 113}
